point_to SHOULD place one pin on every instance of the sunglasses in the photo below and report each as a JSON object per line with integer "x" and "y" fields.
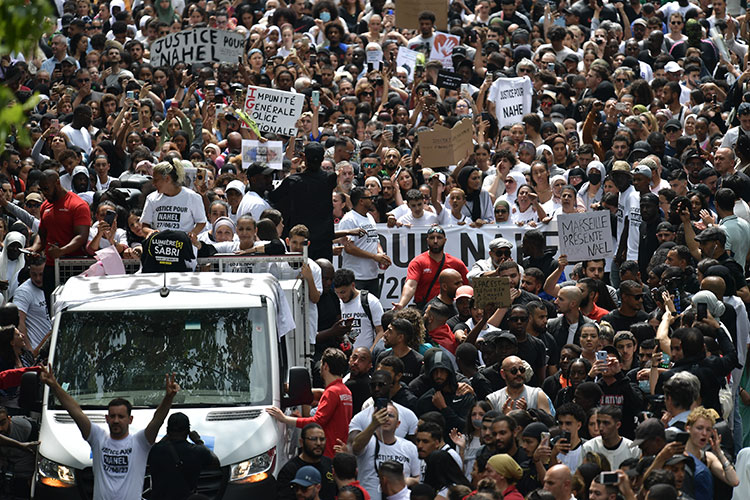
{"x": 84, "y": 80}
{"x": 368, "y": 93}
{"x": 517, "y": 369}
{"x": 369, "y": 165}
{"x": 675, "y": 22}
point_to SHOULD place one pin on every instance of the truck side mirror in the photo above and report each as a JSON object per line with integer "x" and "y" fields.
{"x": 300, "y": 388}
{"x": 30, "y": 396}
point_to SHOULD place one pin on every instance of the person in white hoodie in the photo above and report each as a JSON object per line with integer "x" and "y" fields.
{"x": 592, "y": 190}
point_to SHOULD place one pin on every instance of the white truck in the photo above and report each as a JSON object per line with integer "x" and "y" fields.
{"x": 231, "y": 341}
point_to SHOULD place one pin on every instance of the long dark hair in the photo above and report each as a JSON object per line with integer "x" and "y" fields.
{"x": 442, "y": 471}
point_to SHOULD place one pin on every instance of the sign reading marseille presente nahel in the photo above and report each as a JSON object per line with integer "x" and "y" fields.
{"x": 274, "y": 111}
{"x": 199, "y": 45}
{"x": 586, "y": 236}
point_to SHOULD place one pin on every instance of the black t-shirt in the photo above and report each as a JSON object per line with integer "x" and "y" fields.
{"x": 436, "y": 300}
{"x": 412, "y": 364}
{"x": 360, "y": 389}
{"x": 167, "y": 251}
{"x": 623, "y": 323}
{"x": 171, "y": 481}
{"x": 534, "y": 352}
{"x": 284, "y": 489}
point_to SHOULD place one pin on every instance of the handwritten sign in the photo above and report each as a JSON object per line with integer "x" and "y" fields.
{"x": 196, "y": 46}
{"x": 442, "y": 48}
{"x": 586, "y": 236}
{"x": 491, "y": 291}
{"x": 445, "y": 146}
{"x": 274, "y": 111}
{"x": 512, "y": 98}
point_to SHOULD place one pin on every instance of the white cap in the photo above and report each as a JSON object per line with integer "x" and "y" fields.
{"x": 238, "y": 185}
{"x": 672, "y": 67}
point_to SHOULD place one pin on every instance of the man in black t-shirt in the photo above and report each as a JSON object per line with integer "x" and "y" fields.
{"x": 398, "y": 337}
{"x": 530, "y": 349}
{"x": 313, "y": 442}
{"x": 631, "y": 309}
{"x": 358, "y": 380}
{"x": 175, "y": 463}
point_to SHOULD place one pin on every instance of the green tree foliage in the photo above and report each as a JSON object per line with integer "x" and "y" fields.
{"x": 22, "y": 24}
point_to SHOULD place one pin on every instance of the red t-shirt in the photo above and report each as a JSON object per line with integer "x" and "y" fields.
{"x": 597, "y": 313}
{"x": 444, "y": 336}
{"x": 422, "y": 269}
{"x": 333, "y": 414}
{"x": 59, "y": 219}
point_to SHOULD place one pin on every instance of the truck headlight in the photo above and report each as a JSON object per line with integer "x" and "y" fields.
{"x": 254, "y": 469}
{"x": 54, "y": 474}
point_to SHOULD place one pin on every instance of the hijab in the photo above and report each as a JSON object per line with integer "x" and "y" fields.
{"x": 223, "y": 222}
{"x": 165, "y": 15}
{"x": 520, "y": 181}
{"x": 463, "y": 182}
{"x": 10, "y": 268}
{"x": 713, "y": 305}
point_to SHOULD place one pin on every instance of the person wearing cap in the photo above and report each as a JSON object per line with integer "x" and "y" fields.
{"x": 534, "y": 245}
{"x": 500, "y": 251}
{"x": 743, "y": 115}
{"x": 506, "y": 473}
{"x": 665, "y": 232}
{"x": 306, "y": 483}
{"x": 175, "y": 463}
{"x": 234, "y": 191}
{"x": 305, "y": 198}
{"x": 711, "y": 244}
{"x": 424, "y": 270}
{"x": 464, "y": 294}
{"x": 537, "y": 448}
{"x": 628, "y": 202}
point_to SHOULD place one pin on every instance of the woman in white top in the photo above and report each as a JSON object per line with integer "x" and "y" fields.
{"x": 103, "y": 234}
{"x": 173, "y": 206}
{"x": 526, "y": 209}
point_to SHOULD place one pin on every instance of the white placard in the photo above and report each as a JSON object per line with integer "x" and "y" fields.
{"x": 274, "y": 111}
{"x": 196, "y": 46}
{"x": 270, "y": 152}
{"x": 586, "y": 236}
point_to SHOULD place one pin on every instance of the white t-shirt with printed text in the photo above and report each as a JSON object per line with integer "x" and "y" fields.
{"x": 362, "y": 333}
{"x": 180, "y": 212}
{"x": 363, "y": 268}
{"x": 119, "y": 464}
{"x": 402, "y": 451}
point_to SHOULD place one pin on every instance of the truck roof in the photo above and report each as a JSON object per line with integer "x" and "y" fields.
{"x": 142, "y": 291}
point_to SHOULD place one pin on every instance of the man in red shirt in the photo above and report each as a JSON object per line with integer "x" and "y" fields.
{"x": 422, "y": 284}
{"x": 589, "y": 308}
{"x": 64, "y": 226}
{"x": 335, "y": 407}
{"x": 435, "y": 318}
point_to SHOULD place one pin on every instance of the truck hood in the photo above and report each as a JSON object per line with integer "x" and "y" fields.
{"x": 233, "y": 434}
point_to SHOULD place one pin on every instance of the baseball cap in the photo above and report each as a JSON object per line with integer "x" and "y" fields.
{"x": 307, "y": 476}
{"x": 640, "y": 21}
{"x": 743, "y": 109}
{"x": 236, "y": 185}
{"x": 678, "y": 458}
{"x": 648, "y": 429}
{"x": 711, "y": 233}
{"x": 673, "y": 124}
{"x": 665, "y": 226}
{"x": 508, "y": 336}
{"x": 80, "y": 169}
{"x": 34, "y": 197}
{"x": 621, "y": 166}
{"x": 504, "y": 465}
{"x": 642, "y": 170}
{"x": 258, "y": 168}
{"x": 500, "y": 243}
{"x": 69, "y": 60}
{"x": 464, "y": 291}
{"x": 571, "y": 58}
{"x": 672, "y": 67}
{"x": 534, "y": 430}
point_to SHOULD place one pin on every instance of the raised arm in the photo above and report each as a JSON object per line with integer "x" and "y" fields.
{"x": 152, "y": 429}
{"x": 67, "y": 401}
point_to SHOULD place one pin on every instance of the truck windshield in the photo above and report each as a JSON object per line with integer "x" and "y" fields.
{"x": 221, "y": 357}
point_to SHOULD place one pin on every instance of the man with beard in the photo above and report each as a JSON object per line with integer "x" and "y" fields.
{"x": 566, "y": 328}
{"x": 500, "y": 251}
{"x": 345, "y": 177}
{"x": 442, "y": 396}
{"x": 631, "y": 309}
{"x": 504, "y": 430}
{"x": 424, "y": 270}
{"x": 588, "y": 288}
{"x": 530, "y": 349}
{"x": 537, "y": 327}
{"x": 450, "y": 280}
{"x": 516, "y": 395}
{"x": 518, "y": 296}
{"x": 358, "y": 380}
{"x": 464, "y": 294}
{"x": 392, "y": 159}
{"x": 398, "y": 338}
{"x": 312, "y": 442}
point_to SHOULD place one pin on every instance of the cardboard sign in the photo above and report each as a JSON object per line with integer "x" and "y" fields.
{"x": 442, "y": 48}
{"x": 512, "y": 98}
{"x": 407, "y": 13}
{"x": 270, "y": 152}
{"x": 274, "y": 111}
{"x": 445, "y": 146}
{"x": 407, "y": 59}
{"x": 491, "y": 291}
{"x": 586, "y": 236}
{"x": 448, "y": 80}
{"x": 198, "y": 45}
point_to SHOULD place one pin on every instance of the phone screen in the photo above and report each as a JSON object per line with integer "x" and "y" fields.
{"x": 109, "y": 217}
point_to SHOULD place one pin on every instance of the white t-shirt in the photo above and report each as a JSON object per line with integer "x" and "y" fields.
{"x": 119, "y": 464}
{"x": 624, "y": 202}
{"x": 362, "y": 332}
{"x": 446, "y": 218}
{"x": 407, "y": 426}
{"x": 252, "y": 204}
{"x": 31, "y": 301}
{"x": 427, "y": 219}
{"x": 180, "y": 213}
{"x": 78, "y": 137}
{"x": 363, "y": 268}
{"x": 402, "y": 451}
{"x": 121, "y": 236}
{"x": 287, "y": 271}
{"x": 634, "y": 223}
{"x": 616, "y": 456}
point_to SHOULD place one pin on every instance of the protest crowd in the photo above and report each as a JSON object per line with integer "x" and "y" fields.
{"x": 598, "y": 150}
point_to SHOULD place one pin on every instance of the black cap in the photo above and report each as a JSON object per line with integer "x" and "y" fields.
{"x": 509, "y": 337}
{"x": 257, "y": 168}
{"x": 665, "y": 226}
{"x": 648, "y": 429}
{"x": 712, "y": 233}
{"x": 672, "y": 124}
{"x": 459, "y": 51}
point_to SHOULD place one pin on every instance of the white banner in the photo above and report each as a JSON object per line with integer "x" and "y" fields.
{"x": 197, "y": 45}
{"x": 512, "y": 98}
{"x": 466, "y": 243}
{"x": 274, "y": 111}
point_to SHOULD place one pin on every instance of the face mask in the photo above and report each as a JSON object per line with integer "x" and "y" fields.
{"x": 476, "y": 423}
{"x": 595, "y": 177}
{"x": 325, "y": 16}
